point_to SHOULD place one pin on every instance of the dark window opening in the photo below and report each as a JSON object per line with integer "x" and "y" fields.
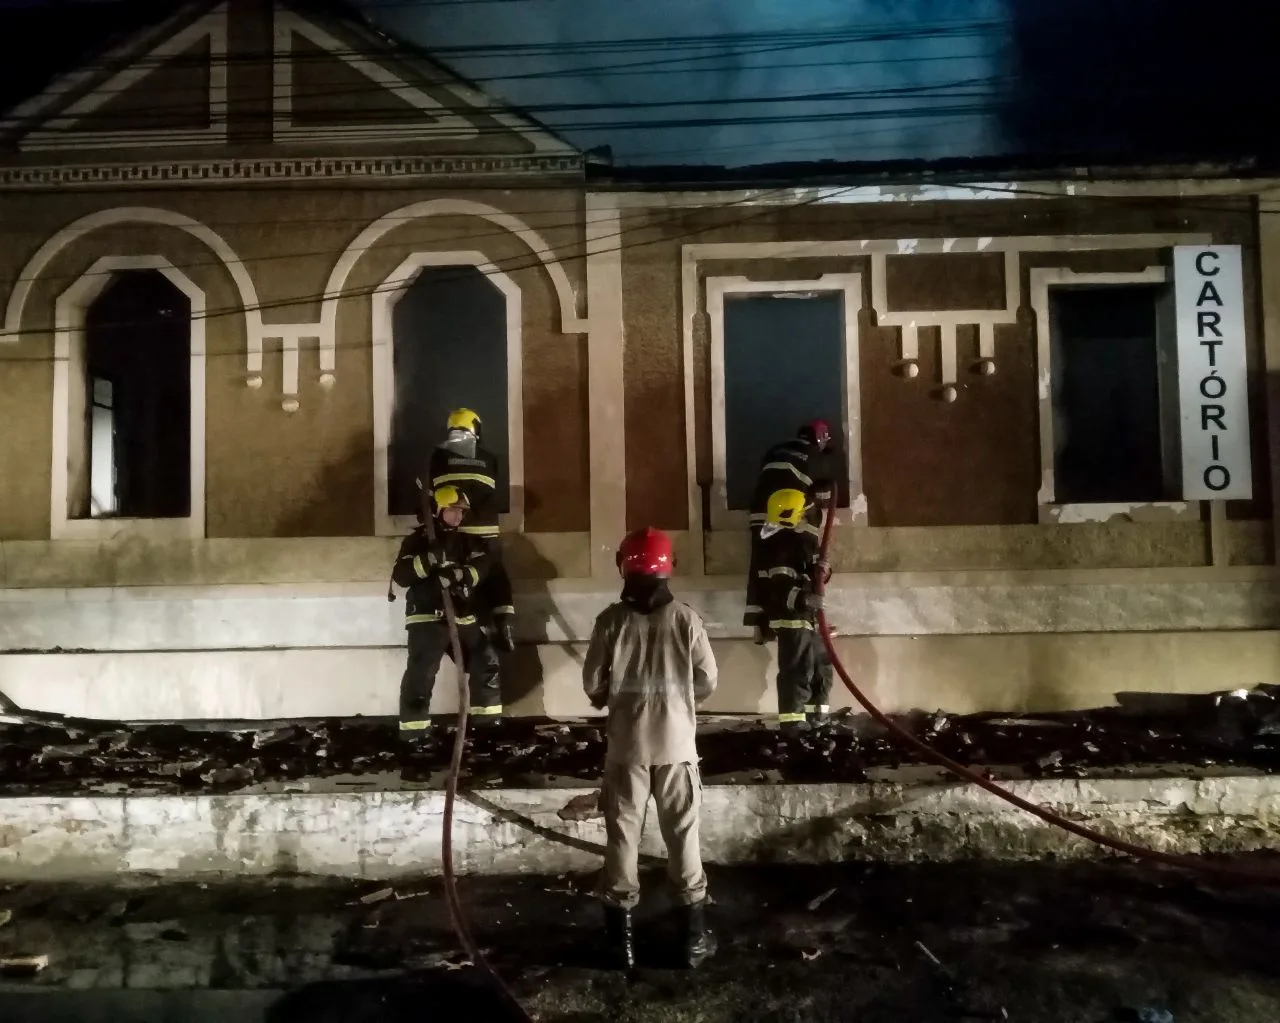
{"x": 449, "y": 351}
{"x": 1108, "y": 442}
{"x": 138, "y": 384}
{"x": 784, "y": 364}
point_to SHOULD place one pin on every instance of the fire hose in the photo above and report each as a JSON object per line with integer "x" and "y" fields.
{"x": 457, "y": 916}
{"x": 1220, "y": 870}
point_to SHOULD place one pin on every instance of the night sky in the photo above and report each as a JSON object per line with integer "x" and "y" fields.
{"x": 737, "y": 82}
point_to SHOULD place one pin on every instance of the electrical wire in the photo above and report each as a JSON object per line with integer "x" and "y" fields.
{"x": 370, "y": 290}
{"x": 1222, "y": 871}
{"x": 537, "y": 259}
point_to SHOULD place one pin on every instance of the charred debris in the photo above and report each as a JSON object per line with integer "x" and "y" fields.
{"x": 45, "y": 754}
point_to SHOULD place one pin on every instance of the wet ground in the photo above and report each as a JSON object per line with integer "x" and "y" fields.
{"x": 1238, "y": 732}
{"x": 1036, "y": 944}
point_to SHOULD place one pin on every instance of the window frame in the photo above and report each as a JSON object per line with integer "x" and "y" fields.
{"x": 70, "y": 465}
{"x": 1042, "y": 280}
{"x": 384, "y": 300}
{"x": 717, "y": 289}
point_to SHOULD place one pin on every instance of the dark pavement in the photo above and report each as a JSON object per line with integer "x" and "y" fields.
{"x": 1037, "y": 944}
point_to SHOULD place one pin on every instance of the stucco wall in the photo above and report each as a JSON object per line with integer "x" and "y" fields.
{"x": 966, "y": 468}
{"x": 309, "y": 473}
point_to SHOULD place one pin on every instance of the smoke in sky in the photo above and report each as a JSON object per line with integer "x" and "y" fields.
{"x": 735, "y": 82}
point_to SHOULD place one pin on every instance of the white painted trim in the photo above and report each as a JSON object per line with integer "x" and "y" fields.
{"x": 384, "y": 301}
{"x": 692, "y": 254}
{"x": 447, "y": 124}
{"x": 77, "y": 229}
{"x": 68, "y": 387}
{"x": 850, "y": 285}
{"x": 1041, "y": 280}
{"x": 52, "y": 135}
{"x": 542, "y": 140}
{"x": 1172, "y": 188}
{"x": 606, "y": 387}
{"x": 73, "y": 80}
{"x": 570, "y": 321}
{"x": 291, "y": 335}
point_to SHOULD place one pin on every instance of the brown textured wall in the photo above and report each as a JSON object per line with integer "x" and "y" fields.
{"x": 310, "y": 473}
{"x": 173, "y": 97}
{"x": 926, "y": 462}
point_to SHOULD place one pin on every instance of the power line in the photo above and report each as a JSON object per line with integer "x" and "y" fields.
{"x": 537, "y": 260}
{"x": 471, "y": 238}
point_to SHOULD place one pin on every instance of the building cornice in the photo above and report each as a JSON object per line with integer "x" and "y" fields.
{"x": 286, "y": 170}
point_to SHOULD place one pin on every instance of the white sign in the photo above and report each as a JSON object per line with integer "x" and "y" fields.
{"x": 1212, "y": 383}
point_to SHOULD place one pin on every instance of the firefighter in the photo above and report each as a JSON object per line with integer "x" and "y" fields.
{"x": 806, "y": 463}
{"x": 461, "y": 462}
{"x": 789, "y": 569}
{"x": 460, "y": 563}
{"x": 650, "y": 663}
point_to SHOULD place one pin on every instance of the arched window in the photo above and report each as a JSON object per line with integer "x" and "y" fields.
{"x": 128, "y": 444}
{"x": 448, "y": 337}
{"x": 138, "y": 387}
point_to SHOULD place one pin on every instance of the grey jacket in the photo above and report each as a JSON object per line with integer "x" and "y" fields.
{"x": 651, "y": 670}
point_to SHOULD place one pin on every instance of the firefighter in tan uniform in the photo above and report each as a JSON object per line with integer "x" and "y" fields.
{"x": 788, "y": 569}
{"x": 650, "y": 663}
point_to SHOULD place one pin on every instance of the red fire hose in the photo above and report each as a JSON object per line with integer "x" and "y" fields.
{"x": 1221, "y": 870}
{"x": 457, "y": 917}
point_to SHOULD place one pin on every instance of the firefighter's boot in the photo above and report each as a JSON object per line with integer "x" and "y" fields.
{"x": 620, "y": 935}
{"x": 700, "y": 942}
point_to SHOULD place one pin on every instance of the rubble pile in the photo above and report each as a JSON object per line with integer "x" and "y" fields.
{"x": 1238, "y": 729}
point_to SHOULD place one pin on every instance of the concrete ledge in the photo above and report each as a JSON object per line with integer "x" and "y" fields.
{"x": 359, "y": 615}
{"x": 961, "y": 674}
{"x": 509, "y": 831}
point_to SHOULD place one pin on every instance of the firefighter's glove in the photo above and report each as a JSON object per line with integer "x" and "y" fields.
{"x": 813, "y": 602}
{"x": 822, "y": 571}
{"x": 455, "y": 579}
{"x": 762, "y": 634}
{"x": 504, "y": 633}
{"x": 600, "y": 702}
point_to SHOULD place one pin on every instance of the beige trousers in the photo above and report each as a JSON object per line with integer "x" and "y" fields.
{"x": 624, "y": 797}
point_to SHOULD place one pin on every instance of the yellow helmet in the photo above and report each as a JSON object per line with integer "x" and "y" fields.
{"x": 786, "y": 508}
{"x": 464, "y": 419}
{"x": 446, "y": 497}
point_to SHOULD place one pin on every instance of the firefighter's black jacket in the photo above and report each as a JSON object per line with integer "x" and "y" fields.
{"x": 476, "y": 478}
{"x": 786, "y": 568}
{"x": 795, "y": 464}
{"x": 460, "y": 557}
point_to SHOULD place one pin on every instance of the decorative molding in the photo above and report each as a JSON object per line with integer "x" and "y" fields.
{"x": 39, "y": 262}
{"x": 850, "y": 285}
{"x": 1041, "y": 279}
{"x": 439, "y": 122}
{"x": 690, "y": 292}
{"x": 54, "y": 133}
{"x": 948, "y": 321}
{"x": 290, "y": 335}
{"x": 384, "y": 301}
{"x": 175, "y": 173}
{"x": 69, "y": 401}
{"x": 570, "y": 320}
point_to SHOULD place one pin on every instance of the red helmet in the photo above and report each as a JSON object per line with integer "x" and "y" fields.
{"x": 646, "y": 552}
{"x": 818, "y": 431}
